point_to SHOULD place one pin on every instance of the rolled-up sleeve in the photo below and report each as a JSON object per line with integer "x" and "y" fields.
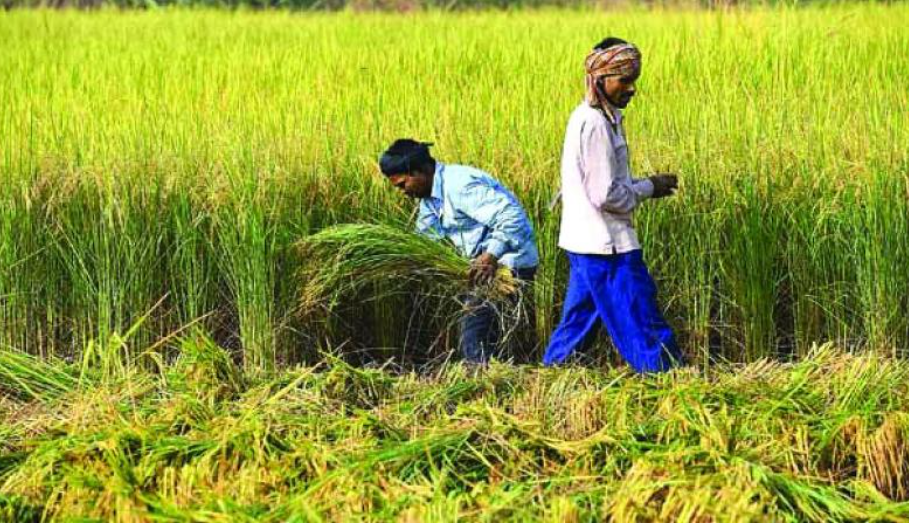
{"x": 643, "y": 187}
{"x": 606, "y": 189}
{"x": 495, "y": 209}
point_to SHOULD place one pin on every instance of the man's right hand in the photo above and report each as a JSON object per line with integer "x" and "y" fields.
{"x": 483, "y": 269}
{"x": 664, "y": 185}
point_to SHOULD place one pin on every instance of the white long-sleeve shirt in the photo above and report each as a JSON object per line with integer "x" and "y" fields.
{"x": 598, "y": 193}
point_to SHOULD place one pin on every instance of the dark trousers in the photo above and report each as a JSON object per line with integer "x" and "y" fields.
{"x": 618, "y": 291}
{"x": 480, "y": 326}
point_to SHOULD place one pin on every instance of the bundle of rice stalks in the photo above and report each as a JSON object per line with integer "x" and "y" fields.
{"x": 28, "y": 377}
{"x": 344, "y": 261}
{"x": 206, "y": 370}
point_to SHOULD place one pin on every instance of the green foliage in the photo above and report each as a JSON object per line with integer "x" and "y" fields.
{"x": 184, "y": 154}
{"x": 392, "y": 5}
{"x": 340, "y": 261}
{"x": 29, "y": 377}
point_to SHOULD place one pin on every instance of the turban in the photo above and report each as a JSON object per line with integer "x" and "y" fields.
{"x": 403, "y": 155}
{"x": 616, "y": 60}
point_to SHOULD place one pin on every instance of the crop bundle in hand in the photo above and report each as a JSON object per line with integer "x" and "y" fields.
{"x": 347, "y": 260}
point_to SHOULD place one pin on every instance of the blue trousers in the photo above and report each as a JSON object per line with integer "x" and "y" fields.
{"x": 479, "y": 326}
{"x": 617, "y": 290}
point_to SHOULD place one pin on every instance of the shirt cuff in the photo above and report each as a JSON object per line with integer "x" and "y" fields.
{"x": 496, "y": 248}
{"x": 643, "y": 188}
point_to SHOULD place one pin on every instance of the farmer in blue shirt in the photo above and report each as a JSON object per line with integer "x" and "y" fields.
{"x": 482, "y": 218}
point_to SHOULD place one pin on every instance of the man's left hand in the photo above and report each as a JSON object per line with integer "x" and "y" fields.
{"x": 664, "y": 184}
{"x": 483, "y": 269}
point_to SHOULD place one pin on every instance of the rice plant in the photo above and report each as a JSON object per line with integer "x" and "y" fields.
{"x": 184, "y": 154}
{"x": 200, "y": 439}
{"x": 197, "y": 252}
{"x": 339, "y": 260}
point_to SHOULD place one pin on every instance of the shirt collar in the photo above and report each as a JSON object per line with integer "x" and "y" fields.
{"x": 437, "y": 182}
{"x": 612, "y": 113}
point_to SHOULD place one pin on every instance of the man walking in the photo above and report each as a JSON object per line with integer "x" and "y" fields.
{"x": 608, "y": 279}
{"x": 482, "y": 218}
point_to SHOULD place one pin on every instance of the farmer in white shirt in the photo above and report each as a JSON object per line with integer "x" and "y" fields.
{"x": 608, "y": 280}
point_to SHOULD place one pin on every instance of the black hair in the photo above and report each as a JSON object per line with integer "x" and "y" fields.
{"x": 609, "y": 41}
{"x": 406, "y": 155}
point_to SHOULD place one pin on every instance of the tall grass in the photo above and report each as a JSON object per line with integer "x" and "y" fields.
{"x": 180, "y": 155}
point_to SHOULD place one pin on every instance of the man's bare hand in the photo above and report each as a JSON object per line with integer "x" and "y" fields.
{"x": 483, "y": 269}
{"x": 664, "y": 184}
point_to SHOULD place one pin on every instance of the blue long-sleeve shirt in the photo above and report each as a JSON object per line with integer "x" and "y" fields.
{"x": 479, "y": 215}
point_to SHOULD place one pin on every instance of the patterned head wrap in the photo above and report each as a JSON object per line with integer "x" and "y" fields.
{"x": 617, "y": 60}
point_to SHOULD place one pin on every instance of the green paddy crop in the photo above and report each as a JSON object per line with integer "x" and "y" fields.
{"x": 365, "y": 263}
{"x": 205, "y": 314}
{"x": 208, "y": 292}
{"x": 176, "y": 158}
{"x": 339, "y": 261}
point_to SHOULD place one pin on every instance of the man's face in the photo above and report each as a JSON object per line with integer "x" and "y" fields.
{"x": 414, "y": 185}
{"x": 620, "y": 88}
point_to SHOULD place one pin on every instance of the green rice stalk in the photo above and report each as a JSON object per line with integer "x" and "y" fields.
{"x": 32, "y": 378}
{"x": 341, "y": 261}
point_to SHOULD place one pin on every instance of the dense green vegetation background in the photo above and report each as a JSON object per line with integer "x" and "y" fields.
{"x": 400, "y": 5}
{"x": 178, "y": 155}
{"x": 157, "y": 169}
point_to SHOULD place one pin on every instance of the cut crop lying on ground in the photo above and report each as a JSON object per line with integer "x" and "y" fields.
{"x": 823, "y": 439}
